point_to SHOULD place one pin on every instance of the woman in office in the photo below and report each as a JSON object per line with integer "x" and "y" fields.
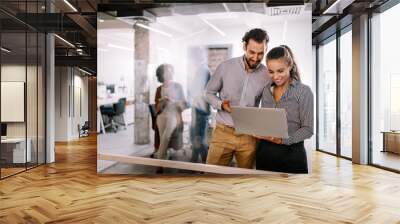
{"x": 169, "y": 106}
{"x": 286, "y": 91}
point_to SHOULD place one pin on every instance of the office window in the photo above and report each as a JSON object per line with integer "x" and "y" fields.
{"x": 385, "y": 89}
{"x": 327, "y": 96}
{"x": 346, "y": 94}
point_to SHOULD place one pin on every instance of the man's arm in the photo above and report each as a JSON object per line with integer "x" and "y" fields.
{"x": 214, "y": 86}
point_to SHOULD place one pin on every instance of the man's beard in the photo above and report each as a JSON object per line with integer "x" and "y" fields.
{"x": 252, "y": 66}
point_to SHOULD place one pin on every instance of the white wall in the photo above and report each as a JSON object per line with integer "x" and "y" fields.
{"x": 12, "y": 73}
{"x": 62, "y": 80}
{"x": 115, "y": 57}
{"x": 68, "y": 81}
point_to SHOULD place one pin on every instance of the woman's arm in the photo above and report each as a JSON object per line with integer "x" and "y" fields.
{"x": 306, "y": 130}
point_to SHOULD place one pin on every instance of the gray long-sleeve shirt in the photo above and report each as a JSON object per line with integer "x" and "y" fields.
{"x": 298, "y": 101}
{"x": 232, "y": 82}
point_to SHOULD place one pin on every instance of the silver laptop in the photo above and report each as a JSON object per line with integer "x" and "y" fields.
{"x": 260, "y": 121}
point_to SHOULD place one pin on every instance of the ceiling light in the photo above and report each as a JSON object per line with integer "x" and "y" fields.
{"x": 214, "y": 27}
{"x": 120, "y": 47}
{"x": 226, "y": 7}
{"x": 5, "y": 50}
{"x": 102, "y": 49}
{"x": 153, "y": 29}
{"x": 84, "y": 71}
{"x": 64, "y": 40}
{"x": 245, "y": 7}
{"x": 337, "y": 7}
{"x": 192, "y": 34}
{"x": 224, "y": 15}
{"x": 70, "y": 5}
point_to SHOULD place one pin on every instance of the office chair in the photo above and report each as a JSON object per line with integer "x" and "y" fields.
{"x": 84, "y": 130}
{"x": 119, "y": 108}
{"x": 114, "y": 114}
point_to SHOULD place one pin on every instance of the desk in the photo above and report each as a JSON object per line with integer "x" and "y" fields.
{"x": 13, "y": 150}
{"x": 391, "y": 141}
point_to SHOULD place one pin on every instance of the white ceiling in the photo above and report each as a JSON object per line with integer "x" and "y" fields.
{"x": 179, "y": 25}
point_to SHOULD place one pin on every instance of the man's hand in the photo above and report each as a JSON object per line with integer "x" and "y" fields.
{"x": 270, "y": 139}
{"x": 226, "y": 106}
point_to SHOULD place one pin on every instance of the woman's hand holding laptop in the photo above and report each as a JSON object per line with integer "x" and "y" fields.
{"x": 270, "y": 139}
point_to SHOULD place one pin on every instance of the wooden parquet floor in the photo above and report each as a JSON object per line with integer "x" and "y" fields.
{"x": 70, "y": 191}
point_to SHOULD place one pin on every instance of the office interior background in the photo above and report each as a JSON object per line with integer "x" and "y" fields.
{"x": 186, "y": 41}
{"x": 49, "y": 110}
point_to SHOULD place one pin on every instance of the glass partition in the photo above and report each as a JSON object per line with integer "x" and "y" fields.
{"x": 385, "y": 89}
{"x": 22, "y": 90}
{"x": 327, "y": 96}
{"x": 14, "y": 145}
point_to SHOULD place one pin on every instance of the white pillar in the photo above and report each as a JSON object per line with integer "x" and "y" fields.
{"x": 360, "y": 90}
{"x": 50, "y": 98}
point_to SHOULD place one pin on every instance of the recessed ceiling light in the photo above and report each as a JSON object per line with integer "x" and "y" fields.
{"x": 64, "y": 40}
{"x": 5, "y": 50}
{"x": 70, "y": 5}
{"x": 337, "y": 7}
{"x": 153, "y": 29}
{"x": 84, "y": 71}
{"x": 213, "y": 26}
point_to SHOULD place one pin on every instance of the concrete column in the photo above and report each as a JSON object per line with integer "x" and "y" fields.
{"x": 50, "y": 99}
{"x": 360, "y": 90}
{"x": 142, "y": 119}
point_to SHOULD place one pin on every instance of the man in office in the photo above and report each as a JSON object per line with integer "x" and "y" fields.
{"x": 237, "y": 82}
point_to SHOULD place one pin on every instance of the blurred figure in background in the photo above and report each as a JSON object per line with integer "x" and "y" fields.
{"x": 200, "y": 107}
{"x": 169, "y": 106}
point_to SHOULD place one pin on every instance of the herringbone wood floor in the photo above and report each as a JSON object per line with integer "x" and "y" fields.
{"x": 70, "y": 191}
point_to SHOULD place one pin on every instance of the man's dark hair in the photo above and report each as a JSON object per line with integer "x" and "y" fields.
{"x": 258, "y": 35}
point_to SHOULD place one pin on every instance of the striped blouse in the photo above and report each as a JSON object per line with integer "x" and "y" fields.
{"x": 298, "y": 101}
